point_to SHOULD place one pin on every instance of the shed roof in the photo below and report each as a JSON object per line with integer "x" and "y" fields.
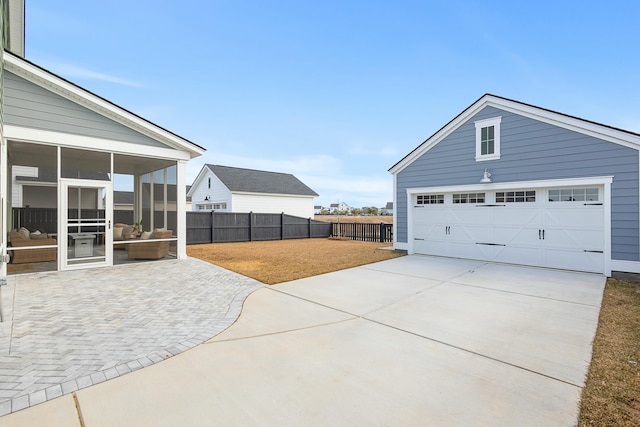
{"x": 256, "y": 181}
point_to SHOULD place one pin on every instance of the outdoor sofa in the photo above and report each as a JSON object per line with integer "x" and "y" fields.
{"x": 23, "y": 238}
{"x": 151, "y": 250}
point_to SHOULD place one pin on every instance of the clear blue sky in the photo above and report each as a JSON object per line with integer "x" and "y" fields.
{"x": 336, "y": 92}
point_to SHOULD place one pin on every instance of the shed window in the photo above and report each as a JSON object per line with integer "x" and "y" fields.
{"x": 488, "y": 139}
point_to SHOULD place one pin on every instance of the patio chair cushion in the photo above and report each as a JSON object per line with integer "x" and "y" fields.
{"x": 117, "y": 233}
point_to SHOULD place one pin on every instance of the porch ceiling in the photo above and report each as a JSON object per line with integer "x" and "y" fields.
{"x": 38, "y": 155}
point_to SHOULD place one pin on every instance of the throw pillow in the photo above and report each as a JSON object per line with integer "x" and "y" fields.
{"x": 24, "y": 233}
{"x": 146, "y": 235}
{"x": 37, "y": 235}
{"x": 117, "y": 233}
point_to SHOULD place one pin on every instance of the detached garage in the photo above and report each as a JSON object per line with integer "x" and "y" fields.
{"x": 508, "y": 182}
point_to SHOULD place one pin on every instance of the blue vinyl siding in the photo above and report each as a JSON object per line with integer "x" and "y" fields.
{"x": 29, "y": 105}
{"x": 532, "y": 150}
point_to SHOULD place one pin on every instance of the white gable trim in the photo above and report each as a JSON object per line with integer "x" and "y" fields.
{"x": 97, "y": 104}
{"x": 201, "y": 175}
{"x": 575, "y": 124}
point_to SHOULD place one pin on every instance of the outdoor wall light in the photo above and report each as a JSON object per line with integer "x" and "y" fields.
{"x": 206, "y": 199}
{"x": 486, "y": 177}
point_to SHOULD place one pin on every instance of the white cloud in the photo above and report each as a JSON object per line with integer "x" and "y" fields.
{"x": 73, "y": 71}
{"x": 364, "y": 150}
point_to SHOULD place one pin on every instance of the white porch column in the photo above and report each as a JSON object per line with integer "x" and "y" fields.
{"x": 181, "y": 209}
{"x": 4, "y": 224}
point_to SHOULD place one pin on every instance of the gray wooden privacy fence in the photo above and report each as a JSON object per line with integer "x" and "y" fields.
{"x": 382, "y": 233}
{"x": 219, "y": 227}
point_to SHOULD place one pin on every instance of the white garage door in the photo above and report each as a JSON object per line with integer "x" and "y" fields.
{"x": 553, "y": 227}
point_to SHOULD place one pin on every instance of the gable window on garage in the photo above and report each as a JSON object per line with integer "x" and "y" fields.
{"x": 488, "y": 139}
{"x": 430, "y": 199}
{"x": 468, "y": 198}
{"x": 527, "y": 196}
{"x": 574, "y": 195}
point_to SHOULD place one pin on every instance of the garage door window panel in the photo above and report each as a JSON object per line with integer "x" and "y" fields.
{"x": 468, "y": 198}
{"x": 430, "y": 199}
{"x": 574, "y": 195}
{"x": 521, "y": 196}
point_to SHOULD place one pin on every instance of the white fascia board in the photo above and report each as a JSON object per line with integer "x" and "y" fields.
{"x": 196, "y": 182}
{"x": 36, "y": 183}
{"x": 575, "y": 124}
{"x": 546, "y": 183}
{"x": 18, "y": 133}
{"x": 249, "y": 193}
{"x": 95, "y": 103}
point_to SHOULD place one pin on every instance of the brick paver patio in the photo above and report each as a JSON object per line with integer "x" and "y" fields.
{"x": 64, "y": 331}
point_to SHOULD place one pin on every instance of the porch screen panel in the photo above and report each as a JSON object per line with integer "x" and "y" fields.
{"x": 85, "y": 164}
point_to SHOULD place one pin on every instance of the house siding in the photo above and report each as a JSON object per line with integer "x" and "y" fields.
{"x": 218, "y": 193}
{"x": 295, "y": 206}
{"x": 532, "y": 150}
{"x": 29, "y": 105}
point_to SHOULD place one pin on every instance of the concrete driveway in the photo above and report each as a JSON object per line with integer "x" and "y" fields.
{"x": 411, "y": 341}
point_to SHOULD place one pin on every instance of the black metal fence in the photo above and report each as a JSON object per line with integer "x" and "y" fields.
{"x": 382, "y": 232}
{"x": 219, "y": 227}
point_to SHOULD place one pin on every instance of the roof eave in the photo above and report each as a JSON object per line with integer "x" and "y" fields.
{"x": 598, "y": 130}
{"x": 100, "y": 105}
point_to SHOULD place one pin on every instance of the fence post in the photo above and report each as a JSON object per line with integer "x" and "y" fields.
{"x": 309, "y": 221}
{"x": 382, "y": 232}
{"x": 251, "y": 226}
{"x": 282, "y": 226}
{"x": 213, "y": 226}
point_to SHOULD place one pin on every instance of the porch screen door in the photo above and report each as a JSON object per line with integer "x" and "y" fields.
{"x": 86, "y": 210}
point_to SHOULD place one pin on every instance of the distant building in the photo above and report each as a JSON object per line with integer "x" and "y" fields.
{"x": 341, "y": 207}
{"x": 230, "y": 189}
{"x": 387, "y": 210}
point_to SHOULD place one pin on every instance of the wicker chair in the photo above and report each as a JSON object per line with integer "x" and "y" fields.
{"x": 32, "y": 255}
{"x": 151, "y": 250}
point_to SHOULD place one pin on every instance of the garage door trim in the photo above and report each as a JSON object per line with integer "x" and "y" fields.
{"x": 604, "y": 181}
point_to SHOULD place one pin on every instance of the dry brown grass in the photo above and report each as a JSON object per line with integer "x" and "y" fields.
{"x": 280, "y": 261}
{"x": 611, "y": 396}
{"x": 366, "y": 219}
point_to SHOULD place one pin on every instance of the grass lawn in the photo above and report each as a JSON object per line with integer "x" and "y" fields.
{"x": 611, "y": 396}
{"x": 280, "y": 261}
